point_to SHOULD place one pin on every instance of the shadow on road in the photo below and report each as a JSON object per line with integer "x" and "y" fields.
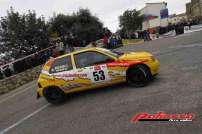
{"x": 98, "y": 91}
{"x": 124, "y": 87}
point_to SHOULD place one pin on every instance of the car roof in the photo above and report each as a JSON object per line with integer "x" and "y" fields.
{"x": 80, "y": 51}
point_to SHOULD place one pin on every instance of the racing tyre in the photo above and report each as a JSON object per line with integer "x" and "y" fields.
{"x": 54, "y": 95}
{"x": 138, "y": 76}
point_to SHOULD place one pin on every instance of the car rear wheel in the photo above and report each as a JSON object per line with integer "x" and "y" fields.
{"x": 138, "y": 76}
{"x": 54, "y": 95}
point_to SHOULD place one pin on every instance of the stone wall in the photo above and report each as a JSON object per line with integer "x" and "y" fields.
{"x": 18, "y": 80}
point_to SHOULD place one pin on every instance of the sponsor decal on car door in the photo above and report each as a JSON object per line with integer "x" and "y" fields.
{"x": 97, "y": 73}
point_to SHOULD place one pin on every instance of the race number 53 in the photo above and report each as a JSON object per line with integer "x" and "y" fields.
{"x": 99, "y": 75}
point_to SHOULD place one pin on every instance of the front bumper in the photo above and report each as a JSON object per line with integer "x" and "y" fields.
{"x": 154, "y": 67}
{"x": 38, "y": 96}
{"x": 39, "y": 93}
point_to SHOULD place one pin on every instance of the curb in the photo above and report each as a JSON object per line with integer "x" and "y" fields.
{"x": 134, "y": 43}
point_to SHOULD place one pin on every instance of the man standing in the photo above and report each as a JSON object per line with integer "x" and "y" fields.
{"x": 105, "y": 41}
{"x": 60, "y": 47}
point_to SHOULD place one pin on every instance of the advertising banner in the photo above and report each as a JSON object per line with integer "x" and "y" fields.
{"x": 164, "y": 13}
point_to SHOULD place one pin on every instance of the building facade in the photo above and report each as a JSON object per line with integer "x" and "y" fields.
{"x": 194, "y": 9}
{"x": 156, "y": 15}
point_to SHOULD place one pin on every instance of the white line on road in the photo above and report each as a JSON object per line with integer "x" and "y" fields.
{"x": 188, "y": 33}
{"x": 186, "y": 46}
{"x": 24, "y": 119}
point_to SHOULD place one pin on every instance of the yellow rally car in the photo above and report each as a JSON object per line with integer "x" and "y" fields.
{"x": 91, "y": 68}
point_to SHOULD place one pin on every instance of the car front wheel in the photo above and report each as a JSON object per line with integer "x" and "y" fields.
{"x": 54, "y": 95}
{"x": 138, "y": 76}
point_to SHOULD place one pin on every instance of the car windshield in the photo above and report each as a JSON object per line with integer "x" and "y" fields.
{"x": 112, "y": 52}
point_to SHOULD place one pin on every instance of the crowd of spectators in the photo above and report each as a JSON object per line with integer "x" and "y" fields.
{"x": 19, "y": 65}
{"x": 145, "y": 35}
{"x": 17, "y": 60}
{"x": 20, "y": 59}
{"x": 139, "y": 34}
{"x": 150, "y": 34}
{"x": 112, "y": 41}
{"x": 178, "y": 27}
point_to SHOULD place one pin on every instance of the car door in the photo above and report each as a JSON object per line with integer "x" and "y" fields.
{"x": 62, "y": 71}
{"x": 93, "y": 64}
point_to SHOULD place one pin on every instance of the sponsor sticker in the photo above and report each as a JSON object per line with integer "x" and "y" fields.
{"x": 97, "y": 68}
{"x": 162, "y": 116}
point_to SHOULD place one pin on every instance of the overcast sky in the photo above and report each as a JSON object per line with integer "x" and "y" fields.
{"x": 107, "y": 10}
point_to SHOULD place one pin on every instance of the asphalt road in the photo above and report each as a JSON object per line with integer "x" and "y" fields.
{"x": 177, "y": 89}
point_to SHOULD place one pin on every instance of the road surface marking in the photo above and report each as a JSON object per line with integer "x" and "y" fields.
{"x": 156, "y": 52}
{"x": 24, "y": 119}
{"x": 190, "y": 68}
{"x": 13, "y": 95}
{"x": 188, "y": 33}
{"x": 186, "y": 46}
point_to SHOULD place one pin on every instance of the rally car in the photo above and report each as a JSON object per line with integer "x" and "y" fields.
{"x": 92, "y": 68}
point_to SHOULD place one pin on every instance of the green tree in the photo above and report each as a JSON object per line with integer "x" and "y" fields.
{"x": 87, "y": 26}
{"x": 61, "y": 23}
{"x": 82, "y": 24}
{"x": 131, "y": 20}
{"x": 23, "y": 31}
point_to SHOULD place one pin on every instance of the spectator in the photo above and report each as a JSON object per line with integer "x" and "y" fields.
{"x": 119, "y": 40}
{"x": 56, "y": 50}
{"x": 61, "y": 48}
{"x": 7, "y": 72}
{"x": 113, "y": 42}
{"x": 105, "y": 41}
{"x": 145, "y": 35}
{"x": 1, "y": 74}
{"x": 148, "y": 35}
{"x": 110, "y": 42}
{"x": 68, "y": 43}
{"x": 189, "y": 24}
{"x": 94, "y": 44}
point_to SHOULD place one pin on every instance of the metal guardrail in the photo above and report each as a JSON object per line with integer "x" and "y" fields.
{"x": 27, "y": 62}
{"x": 20, "y": 59}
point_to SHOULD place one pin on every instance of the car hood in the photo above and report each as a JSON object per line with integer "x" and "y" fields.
{"x": 135, "y": 56}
